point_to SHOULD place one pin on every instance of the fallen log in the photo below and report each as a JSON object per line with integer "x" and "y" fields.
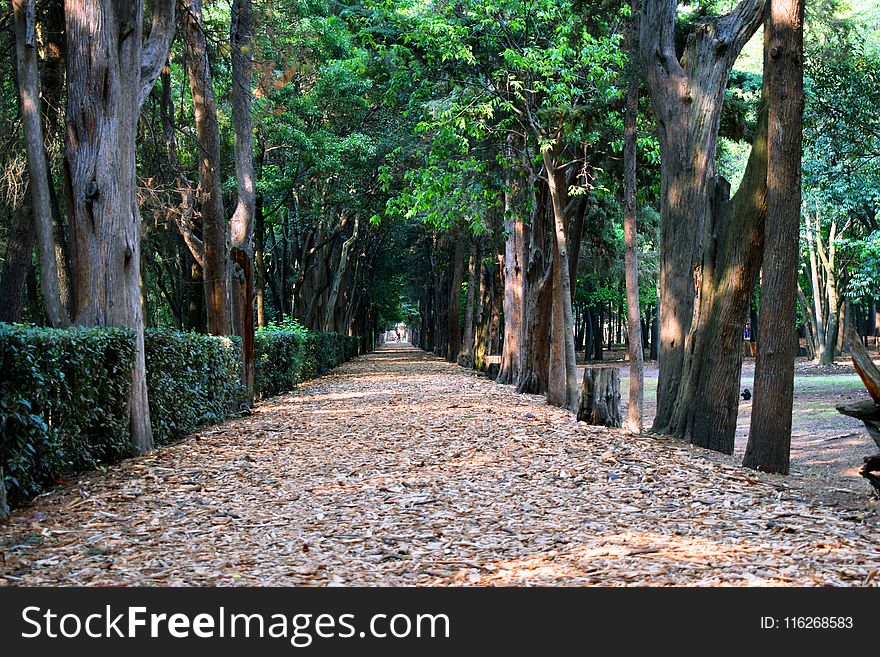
{"x": 600, "y": 397}
{"x": 867, "y": 410}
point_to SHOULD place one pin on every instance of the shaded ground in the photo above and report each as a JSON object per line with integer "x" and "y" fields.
{"x": 824, "y": 443}
{"x": 402, "y": 469}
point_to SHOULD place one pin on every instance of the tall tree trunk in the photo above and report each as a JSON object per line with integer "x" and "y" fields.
{"x": 514, "y": 271}
{"x": 242, "y": 223}
{"x": 769, "y": 443}
{"x": 454, "y": 331}
{"x": 38, "y": 179}
{"x": 484, "y": 318}
{"x": 344, "y": 260}
{"x": 110, "y": 72}
{"x": 688, "y": 95}
{"x": 467, "y": 342}
{"x": 708, "y": 400}
{"x": 630, "y": 235}
{"x": 537, "y": 301}
{"x": 214, "y": 227}
{"x": 17, "y": 263}
{"x": 562, "y": 385}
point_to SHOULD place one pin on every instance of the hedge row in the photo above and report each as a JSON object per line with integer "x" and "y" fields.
{"x": 63, "y": 392}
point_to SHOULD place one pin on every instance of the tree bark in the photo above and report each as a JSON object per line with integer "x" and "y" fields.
{"x": 214, "y": 227}
{"x": 110, "y": 72}
{"x": 17, "y": 263}
{"x": 537, "y": 302}
{"x": 242, "y": 223}
{"x": 467, "y": 342}
{"x": 514, "y": 267}
{"x": 688, "y": 97}
{"x": 344, "y": 258}
{"x": 708, "y": 401}
{"x": 38, "y": 179}
{"x": 630, "y": 236}
{"x": 484, "y": 318}
{"x": 454, "y": 322}
{"x": 599, "y": 402}
{"x": 769, "y": 443}
{"x": 562, "y": 387}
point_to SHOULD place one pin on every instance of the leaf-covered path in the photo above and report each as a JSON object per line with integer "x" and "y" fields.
{"x": 401, "y": 469}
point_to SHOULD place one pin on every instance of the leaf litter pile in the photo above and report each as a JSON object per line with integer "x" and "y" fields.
{"x": 401, "y": 469}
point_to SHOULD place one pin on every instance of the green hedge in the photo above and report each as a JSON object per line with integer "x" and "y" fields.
{"x": 280, "y": 359}
{"x": 63, "y": 402}
{"x": 63, "y": 393}
{"x": 192, "y": 380}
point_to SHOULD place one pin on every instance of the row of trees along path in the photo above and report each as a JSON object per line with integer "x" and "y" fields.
{"x": 376, "y": 474}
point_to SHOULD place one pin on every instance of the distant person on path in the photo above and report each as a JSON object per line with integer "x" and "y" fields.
{"x": 398, "y": 335}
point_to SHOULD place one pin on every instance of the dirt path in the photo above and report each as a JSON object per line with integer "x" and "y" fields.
{"x": 401, "y": 469}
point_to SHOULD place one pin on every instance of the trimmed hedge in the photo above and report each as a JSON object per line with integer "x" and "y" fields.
{"x": 63, "y": 403}
{"x": 280, "y": 359}
{"x": 63, "y": 393}
{"x": 192, "y": 380}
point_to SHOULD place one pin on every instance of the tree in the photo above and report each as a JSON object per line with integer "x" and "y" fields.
{"x": 110, "y": 72}
{"x": 634, "y": 324}
{"x": 215, "y": 230}
{"x": 242, "y": 223}
{"x": 39, "y": 210}
{"x": 770, "y": 431}
{"x": 687, "y": 91}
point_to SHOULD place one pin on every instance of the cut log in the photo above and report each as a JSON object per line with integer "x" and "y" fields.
{"x": 600, "y": 397}
{"x": 867, "y": 410}
{"x": 872, "y": 465}
{"x": 865, "y": 366}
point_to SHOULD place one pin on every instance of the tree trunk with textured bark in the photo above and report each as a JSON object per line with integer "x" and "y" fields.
{"x": 344, "y": 261}
{"x": 242, "y": 223}
{"x": 688, "y": 94}
{"x": 466, "y": 357}
{"x": 537, "y": 302}
{"x": 215, "y": 233}
{"x": 562, "y": 386}
{"x": 708, "y": 400}
{"x": 769, "y": 444}
{"x": 514, "y": 270}
{"x": 38, "y": 170}
{"x": 110, "y": 72}
{"x": 630, "y": 236}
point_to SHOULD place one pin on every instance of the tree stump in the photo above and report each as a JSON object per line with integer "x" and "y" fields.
{"x": 600, "y": 397}
{"x": 868, "y": 410}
